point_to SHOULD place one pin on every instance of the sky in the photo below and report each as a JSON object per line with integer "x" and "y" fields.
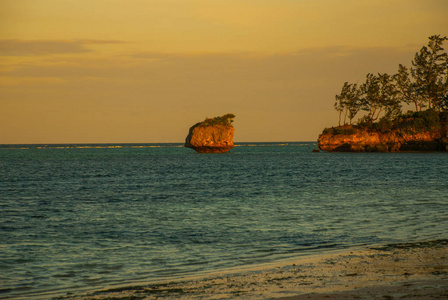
{"x": 144, "y": 71}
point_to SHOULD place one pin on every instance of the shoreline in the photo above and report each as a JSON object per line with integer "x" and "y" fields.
{"x": 410, "y": 270}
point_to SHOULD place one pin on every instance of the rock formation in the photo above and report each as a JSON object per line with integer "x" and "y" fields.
{"x": 212, "y": 135}
{"x": 414, "y": 131}
{"x": 349, "y": 139}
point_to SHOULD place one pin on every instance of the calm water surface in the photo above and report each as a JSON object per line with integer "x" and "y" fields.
{"x": 89, "y": 216}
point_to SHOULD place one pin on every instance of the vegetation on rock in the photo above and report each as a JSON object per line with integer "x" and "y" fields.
{"x": 226, "y": 120}
{"x": 407, "y": 123}
{"x": 384, "y": 126}
{"x": 424, "y": 86}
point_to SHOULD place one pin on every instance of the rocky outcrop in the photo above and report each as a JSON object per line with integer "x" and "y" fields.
{"x": 212, "y": 135}
{"x": 349, "y": 139}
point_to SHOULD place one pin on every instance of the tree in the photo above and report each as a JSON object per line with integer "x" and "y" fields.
{"x": 370, "y": 101}
{"x": 379, "y": 95}
{"x": 428, "y": 71}
{"x": 406, "y": 89}
{"x": 353, "y": 101}
{"x": 339, "y": 104}
{"x": 347, "y": 102}
{"x": 444, "y": 89}
{"x": 389, "y": 95}
{"x": 425, "y": 85}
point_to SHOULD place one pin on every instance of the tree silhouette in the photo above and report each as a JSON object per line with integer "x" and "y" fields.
{"x": 425, "y": 85}
{"x": 429, "y": 72}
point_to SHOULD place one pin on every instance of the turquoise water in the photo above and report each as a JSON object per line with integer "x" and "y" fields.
{"x": 88, "y": 216}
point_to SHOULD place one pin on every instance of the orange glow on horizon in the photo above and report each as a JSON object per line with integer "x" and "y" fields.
{"x": 109, "y": 71}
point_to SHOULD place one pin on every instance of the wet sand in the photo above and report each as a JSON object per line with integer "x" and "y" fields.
{"x": 400, "y": 271}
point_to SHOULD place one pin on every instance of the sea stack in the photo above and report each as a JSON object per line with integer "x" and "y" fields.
{"x": 212, "y": 135}
{"x": 362, "y": 140}
{"x": 413, "y": 132}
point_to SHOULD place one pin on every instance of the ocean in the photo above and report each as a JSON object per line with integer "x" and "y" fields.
{"x": 78, "y": 217}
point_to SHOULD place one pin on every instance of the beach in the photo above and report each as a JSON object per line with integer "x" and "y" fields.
{"x": 396, "y": 271}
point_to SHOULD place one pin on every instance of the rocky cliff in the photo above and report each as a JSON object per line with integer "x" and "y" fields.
{"x": 212, "y": 135}
{"x": 350, "y": 139}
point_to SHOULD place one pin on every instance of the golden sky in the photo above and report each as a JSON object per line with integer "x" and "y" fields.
{"x": 144, "y": 71}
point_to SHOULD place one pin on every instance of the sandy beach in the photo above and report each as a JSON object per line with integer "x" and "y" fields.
{"x": 399, "y": 271}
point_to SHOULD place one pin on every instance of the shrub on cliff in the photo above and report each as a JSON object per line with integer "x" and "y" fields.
{"x": 427, "y": 120}
{"x": 410, "y": 122}
{"x": 414, "y": 122}
{"x": 384, "y": 125}
{"x": 226, "y": 120}
{"x": 340, "y": 130}
{"x": 443, "y": 115}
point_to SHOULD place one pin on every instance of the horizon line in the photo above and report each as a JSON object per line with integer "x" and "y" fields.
{"x": 145, "y": 143}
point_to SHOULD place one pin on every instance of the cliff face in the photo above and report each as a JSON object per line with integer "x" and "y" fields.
{"x": 210, "y": 139}
{"x": 361, "y": 140}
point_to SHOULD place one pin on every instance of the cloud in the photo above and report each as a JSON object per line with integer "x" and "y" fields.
{"x": 29, "y": 81}
{"x": 126, "y": 97}
{"x": 307, "y": 68}
{"x": 47, "y": 47}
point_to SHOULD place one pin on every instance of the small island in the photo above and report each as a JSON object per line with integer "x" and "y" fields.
{"x": 384, "y": 127}
{"x": 213, "y": 135}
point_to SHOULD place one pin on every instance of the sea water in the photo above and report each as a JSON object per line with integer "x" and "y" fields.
{"x": 75, "y": 217}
